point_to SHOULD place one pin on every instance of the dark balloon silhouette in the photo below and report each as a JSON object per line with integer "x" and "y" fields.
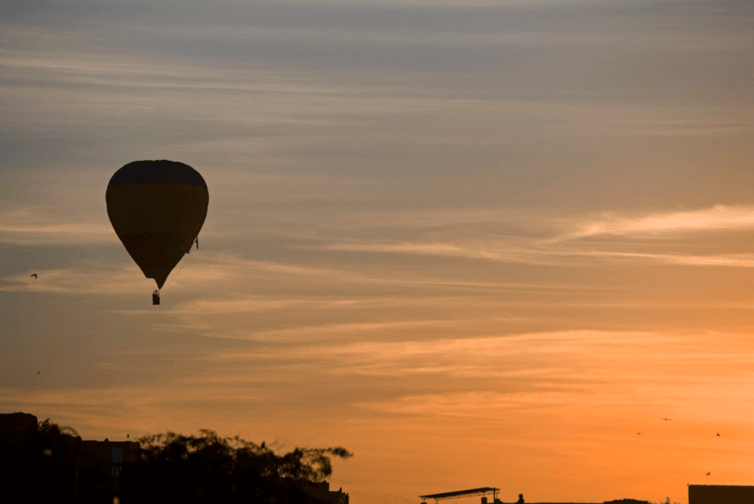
{"x": 157, "y": 209}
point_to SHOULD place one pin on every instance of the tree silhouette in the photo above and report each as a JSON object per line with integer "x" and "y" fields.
{"x": 210, "y": 469}
{"x": 51, "y": 474}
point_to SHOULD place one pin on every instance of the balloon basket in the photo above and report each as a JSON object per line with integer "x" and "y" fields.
{"x": 156, "y": 297}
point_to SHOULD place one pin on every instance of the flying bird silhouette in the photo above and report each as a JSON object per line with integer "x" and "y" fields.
{"x": 707, "y": 474}
{"x": 718, "y": 434}
{"x": 666, "y": 419}
{"x": 34, "y": 275}
{"x": 639, "y": 433}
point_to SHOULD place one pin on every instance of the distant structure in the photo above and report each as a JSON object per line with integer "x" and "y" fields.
{"x": 495, "y": 500}
{"x": 321, "y": 491}
{"x": 483, "y": 491}
{"x": 17, "y": 430}
{"x": 100, "y": 465}
{"x": 721, "y": 494}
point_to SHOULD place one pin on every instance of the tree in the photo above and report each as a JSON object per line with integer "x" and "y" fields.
{"x": 51, "y": 456}
{"x": 211, "y": 469}
{"x": 668, "y": 501}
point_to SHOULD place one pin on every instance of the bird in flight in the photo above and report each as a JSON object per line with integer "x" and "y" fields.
{"x": 718, "y": 434}
{"x": 707, "y": 474}
{"x": 37, "y": 372}
{"x": 639, "y": 433}
{"x": 34, "y": 275}
{"x": 666, "y": 419}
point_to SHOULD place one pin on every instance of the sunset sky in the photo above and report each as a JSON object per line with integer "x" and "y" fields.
{"x": 475, "y": 242}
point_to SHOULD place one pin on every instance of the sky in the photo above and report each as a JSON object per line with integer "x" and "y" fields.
{"x": 476, "y": 243}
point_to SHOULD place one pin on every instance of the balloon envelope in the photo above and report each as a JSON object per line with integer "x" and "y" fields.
{"x": 157, "y": 209}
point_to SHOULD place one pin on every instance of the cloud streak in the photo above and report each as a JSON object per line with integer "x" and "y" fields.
{"x": 717, "y": 218}
{"x": 563, "y": 241}
{"x": 539, "y": 255}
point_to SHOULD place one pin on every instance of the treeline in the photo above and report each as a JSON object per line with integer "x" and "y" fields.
{"x": 190, "y": 469}
{"x": 207, "y": 468}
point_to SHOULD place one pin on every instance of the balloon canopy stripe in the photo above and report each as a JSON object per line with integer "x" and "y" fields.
{"x": 157, "y": 172}
{"x": 157, "y": 208}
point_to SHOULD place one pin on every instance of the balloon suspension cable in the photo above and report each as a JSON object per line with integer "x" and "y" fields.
{"x": 181, "y": 265}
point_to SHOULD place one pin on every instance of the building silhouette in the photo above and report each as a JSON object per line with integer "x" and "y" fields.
{"x": 61, "y": 468}
{"x": 100, "y": 465}
{"x": 321, "y": 491}
{"x": 721, "y": 494}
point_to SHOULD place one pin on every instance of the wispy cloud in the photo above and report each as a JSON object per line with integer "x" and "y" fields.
{"x": 97, "y": 411}
{"x": 234, "y": 276}
{"x": 543, "y": 253}
{"x": 470, "y": 404}
{"x": 605, "y": 370}
{"x": 719, "y": 217}
{"x": 70, "y": 233}
{"x": 302, "y": 333}
{"x": 496, "y": 356}
{"x": 732, "y": 260}
{"x": 567, "y": 243}
{"x": 46, "y": 224}
{"x": 549, "y": 240}
{"x": 500, "y": 251}
{"x": 79, "y": 280}
{"x": 99, "y": 278}
{"x": 481, "y": 357}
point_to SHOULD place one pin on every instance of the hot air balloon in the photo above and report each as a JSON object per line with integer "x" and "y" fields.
{"x": 157, "y": 209}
